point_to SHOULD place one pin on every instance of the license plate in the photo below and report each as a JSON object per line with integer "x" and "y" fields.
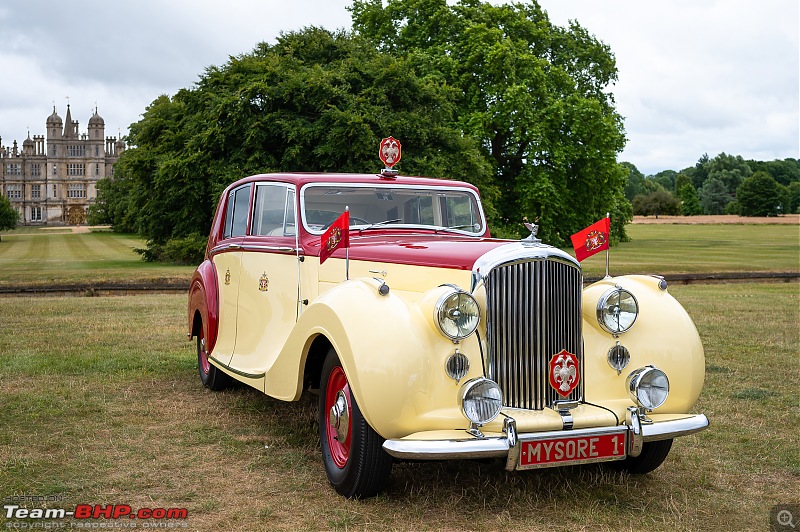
{"x": 556, "y": 450}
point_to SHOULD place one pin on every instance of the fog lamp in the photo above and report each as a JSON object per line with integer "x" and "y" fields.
{"x": 481, "y": 400}
{"x": 648, "y": 387}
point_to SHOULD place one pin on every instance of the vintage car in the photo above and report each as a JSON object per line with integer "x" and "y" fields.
{"x": 427, "y": 339}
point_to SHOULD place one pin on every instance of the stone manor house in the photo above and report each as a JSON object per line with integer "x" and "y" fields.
{"x": 53, "y": 181}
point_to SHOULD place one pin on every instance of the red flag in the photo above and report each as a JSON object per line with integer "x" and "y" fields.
{"x": 592, "y": 240}
{"x": 337, "y": 235}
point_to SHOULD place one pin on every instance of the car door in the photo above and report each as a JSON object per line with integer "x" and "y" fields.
{"x": 227, "y": 258}
{"x": 268, "y": 292}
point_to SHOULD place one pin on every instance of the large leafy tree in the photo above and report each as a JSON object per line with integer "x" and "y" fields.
{"x": 535, "y": 95}
{"x": 714, "y": 196}
{"x": 8, "y": 214}
{"x": 759, "y": 195}
{"x": 314, "y": 101}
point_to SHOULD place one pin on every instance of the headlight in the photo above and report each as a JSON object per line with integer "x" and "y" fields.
{"x": 617, "y": 310}
{"x": 648, "y": 387}
{"x": 456, "y": 314}
{"x": 481, "y": 400}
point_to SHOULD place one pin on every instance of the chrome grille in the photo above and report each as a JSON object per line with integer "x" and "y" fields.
{"x": 533, "y": 312}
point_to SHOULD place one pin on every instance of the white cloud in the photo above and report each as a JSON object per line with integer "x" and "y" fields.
{"x": 695, "y": 76}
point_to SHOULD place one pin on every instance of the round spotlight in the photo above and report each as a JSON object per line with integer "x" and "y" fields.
{"x": 481, "y": 400}
{"x": 648, "y": 387}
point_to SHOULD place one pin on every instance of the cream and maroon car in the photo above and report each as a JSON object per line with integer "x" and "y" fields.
{"x": 427, "y": 339}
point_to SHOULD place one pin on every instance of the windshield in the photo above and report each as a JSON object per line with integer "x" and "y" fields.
{"x": 453, "y": 209}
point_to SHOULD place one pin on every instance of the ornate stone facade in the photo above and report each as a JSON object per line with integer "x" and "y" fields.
{"x": 53, "y": 181}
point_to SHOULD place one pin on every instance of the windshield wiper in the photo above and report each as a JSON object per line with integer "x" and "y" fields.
{"x": 465, "y": 226}
{"x": 378, "y": 224}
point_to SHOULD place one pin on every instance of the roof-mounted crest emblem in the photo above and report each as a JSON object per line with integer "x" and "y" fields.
{"x": 390, "y": 152}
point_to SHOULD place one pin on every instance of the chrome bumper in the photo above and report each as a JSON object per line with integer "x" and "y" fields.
{"x": 638, "y": 432}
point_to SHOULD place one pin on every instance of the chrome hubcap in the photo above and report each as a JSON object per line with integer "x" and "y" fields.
{"x": 339, "y": 418}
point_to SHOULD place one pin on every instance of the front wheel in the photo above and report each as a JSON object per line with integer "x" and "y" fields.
{"x": 352, "y": 452}
{"x": 211, "y": 377}
{"x": 653, "y": 455}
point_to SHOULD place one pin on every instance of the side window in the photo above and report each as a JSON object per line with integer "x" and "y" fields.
{"x": 236, "y": 215}
{"x": 273, "y": 214}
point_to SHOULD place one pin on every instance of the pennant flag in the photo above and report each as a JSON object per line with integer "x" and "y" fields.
{"x": 592, "y": 240}
{"x": 337, "y": 235}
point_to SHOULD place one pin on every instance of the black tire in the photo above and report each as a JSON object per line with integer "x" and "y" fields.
{"x": 211, "y": 377}
{"x": 653, "y": 455}
{"x": 357, "y": 467}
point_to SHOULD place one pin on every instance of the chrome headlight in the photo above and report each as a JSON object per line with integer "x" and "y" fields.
{"x": 617, "y": 310}
{"x": 648, "y": 387}
{"x": 456, "y": 314}
{"x": 481, "y": 400}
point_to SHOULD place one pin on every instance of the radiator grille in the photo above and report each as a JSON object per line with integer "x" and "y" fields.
{"x": 533, "y": 312}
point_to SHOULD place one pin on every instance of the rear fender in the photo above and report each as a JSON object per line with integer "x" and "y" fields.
{"x": 203, "y": 300}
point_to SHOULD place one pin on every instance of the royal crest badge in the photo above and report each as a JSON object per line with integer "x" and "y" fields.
{"x": 263, "y": 283}
{"x": 390, "y": 151}
{"x": 334, "y": 239}
{"x": 228, "y": 276}
{"x": 595, "y": 240}
{"x": 564, "y": 372}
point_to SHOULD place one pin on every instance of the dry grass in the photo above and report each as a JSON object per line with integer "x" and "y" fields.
{"x": 101, "y": 404}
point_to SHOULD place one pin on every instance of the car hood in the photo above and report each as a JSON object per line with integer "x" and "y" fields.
{"x": 436, "y": 250}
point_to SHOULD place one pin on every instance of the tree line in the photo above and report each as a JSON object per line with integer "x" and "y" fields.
{"x": 495, "y": 95}
{"x": 726, "y": 184}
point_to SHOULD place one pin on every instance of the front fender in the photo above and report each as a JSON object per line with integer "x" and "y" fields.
{"x": 391, "y": 353}
{"x": 663, "y": 336}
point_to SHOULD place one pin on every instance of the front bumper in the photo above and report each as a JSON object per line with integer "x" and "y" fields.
{"x": 508, "y": 445}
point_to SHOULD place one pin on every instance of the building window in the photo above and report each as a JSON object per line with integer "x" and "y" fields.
{"x": 55, "y": 170}
{"x": 97, "y": 169}
{"x": 55, "y": 191}
{"x": 76, "y": 151}
{"x": 14, "y": 191}
{"x": 36, "y": 169}
{"x": 36, "y": 214}
{"x": 36, "y": 191}
{"x": 76, "y": 190}
{"x": 13, "y": 169}
{"x": 97, "y": 151}
{"x": 76, "y": 169}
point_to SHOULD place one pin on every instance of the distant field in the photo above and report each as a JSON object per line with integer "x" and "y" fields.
{"x": 101, "y": 404}
{"x": 57, "y": 256}
{"x": 707, "y": 248}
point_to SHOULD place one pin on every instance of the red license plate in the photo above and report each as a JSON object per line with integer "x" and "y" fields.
{"x": 549, "y": 451}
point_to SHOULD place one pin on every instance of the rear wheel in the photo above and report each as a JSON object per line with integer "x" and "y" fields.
{"x": 352, "y": 452}
{"x": 211, "y": 377}
{"x": 653, "y": 455}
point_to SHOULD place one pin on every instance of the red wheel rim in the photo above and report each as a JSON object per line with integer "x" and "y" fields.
{"x": 205, "y": 365}
{"x": 339, "y": 449}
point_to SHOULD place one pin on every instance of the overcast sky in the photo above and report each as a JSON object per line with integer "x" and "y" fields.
{"x": 695, "y": 76}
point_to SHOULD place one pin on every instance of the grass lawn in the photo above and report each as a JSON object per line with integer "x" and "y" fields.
{"x": 711, "y": 248}
{"x": 101, "y": 404}
{"x": 33, "y": 256}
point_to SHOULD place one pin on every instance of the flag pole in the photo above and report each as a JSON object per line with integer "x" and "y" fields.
{"x": 608, "y": 215}
{"x": 347, "y": 249}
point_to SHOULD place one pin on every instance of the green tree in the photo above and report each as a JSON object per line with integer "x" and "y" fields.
{"x": 533, "y": 94}
{"x": 714, "y": 196}
{"x": 666, "y": 178}
{"x": 730, "y": 169}
{"x": 785, "y": 172}
{"x": 314, "y": 101}
{"x": 682, "y": 179}
{"x": 8, "y": 215}
{"x": 793, "y": 198}
{"x": 758, "y": 195}
{"x": 655, "y": 204}
{"x": 690, "y": 203}
{"x": 634, "y": 185}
